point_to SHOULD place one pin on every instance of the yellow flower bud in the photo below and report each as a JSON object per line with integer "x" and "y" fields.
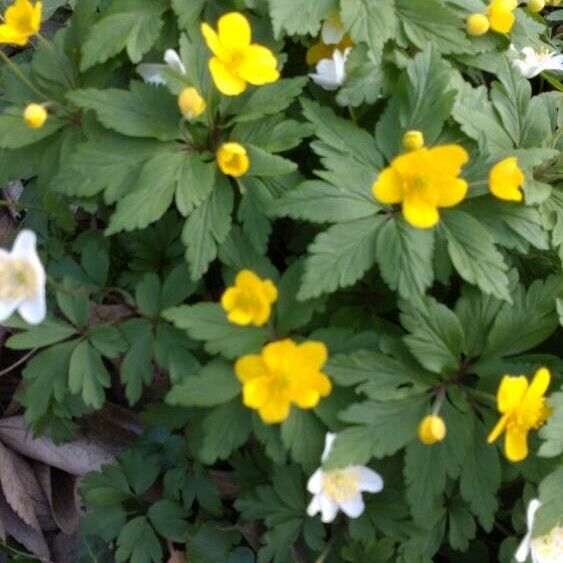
{"x": 536, "y": 5}
{"x": 233, "y": 160}
{"x": 35, "y": 116}
{"x": 477, "y": 24}
{"x": 413, "y": 140}
{"x": 431, "y": 429}
{"x": 191, "y": 104}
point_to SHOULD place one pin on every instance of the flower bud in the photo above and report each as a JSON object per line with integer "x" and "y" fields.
{"x": 233, "y": 160}
{"x": 413, "y": 140}
{"x": 477, "y": 24}
{"x": 536, "y": 5}
{"x": 191, "y": 104}
{"x": 35, "y": 116}
{"x": 431, "y": 429}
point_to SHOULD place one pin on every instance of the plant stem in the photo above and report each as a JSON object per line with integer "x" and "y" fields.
{"x": 14, "y": 68}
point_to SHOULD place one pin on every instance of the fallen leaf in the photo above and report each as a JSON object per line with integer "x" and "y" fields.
{"x": 15, "y": 491}
{"x": 60, "y": 489}
{"x": 78, "y": 457}
{"x": 30, "y": 538}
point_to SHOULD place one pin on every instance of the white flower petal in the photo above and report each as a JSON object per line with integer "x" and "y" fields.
{"x": 24, "y": 245}
{"x": 7, "y": 308}
{"x": 369, "y": 480}
{"x": 354, "y": 507}
{"x": 152, "y": 73}
{"x": 329, "y": 440}
{"x": 314, "y": 506}
{"x": 523, "y": 549}
{"x": 315, "y": 482}
{"x": 332, "y": 30}
{"x": 34, "y": 309}
{"x": 173, "y": 60}
{"x": 329, "y": 509}
{"x": 533, "y": 507}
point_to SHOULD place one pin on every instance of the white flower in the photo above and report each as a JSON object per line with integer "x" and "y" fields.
{"x": 332, "y": 31}
{"x": 154, "y": 73}
{"x": 331, "y": 73}
{"x": 545, "y": 549}
{"x": 535, "y": 62}
{"x": 340, "y": 489}
{"x": 22, "y": 280}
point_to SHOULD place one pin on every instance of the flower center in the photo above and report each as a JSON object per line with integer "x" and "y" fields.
{"x": 340, "y": 485}
{"x": 18, "y": 279}
{"x": 532, "y": 416}
{"x": 237, "y": 57}
{"x": 548, "y": 548}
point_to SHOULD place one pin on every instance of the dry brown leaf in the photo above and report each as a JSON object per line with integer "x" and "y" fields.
{"x": 30, "y": 538}
{"x": 63, "y": 548}
{"x": 16, "y": 493}
{"x": 60, "y": 489}
{"x": 77, "y": 458}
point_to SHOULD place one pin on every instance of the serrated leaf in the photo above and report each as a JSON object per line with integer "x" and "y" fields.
{"x": 87, "y": 375}
{"x": 303, "y": 436}
{"x": 137, "y": 542}
{"x": 49, "y": 332}
{"x": 340, "y": 256}
{"x": 283, "y": 13}
{"x": 14, "y": 133}
{"x": 128, "y": 24}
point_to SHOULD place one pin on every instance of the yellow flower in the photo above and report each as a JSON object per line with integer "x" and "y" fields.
{"x": 233, "y": 160}
{"x": 237, "y": 61}
{"x": 506, "y": 179}
{"x": 431, "y": 429}
{"x": 501, "y": 15}
{"x": 523, "y": 407}
{"x": 477, "y": 24}
{"x": 423, "y": 180}
{"x": 536, "y": 5}
{"x": 21, "y": 21}
{"x": 35, "y": 116}
{"x": 250, "y": 300}
{"x": 413, "y": 140}
{"x": 285, "y": 373}
{"x": 190, "y": 102}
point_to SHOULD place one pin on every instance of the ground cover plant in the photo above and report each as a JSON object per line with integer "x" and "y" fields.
{"x": 281, "y": 281}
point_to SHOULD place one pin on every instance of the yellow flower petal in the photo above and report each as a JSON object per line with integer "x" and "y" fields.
{"x": 448, "y": 159}
{"x": 452, "y": 193}
{"x": 256, "y": 392}
{"x": 516, "y": 444}
{"x": 540, "y": 383}
{"x": 498, "y": 429}
{"x": 506, "y": 179}
{"x": 388, "y": 186}
{"x": 511, "y": 391}
{"x": 501, "y": 16}
{"x": 270, "y": 291}
{"x": 212, "y": 40}
{"x": 278, "y": 355}
{"x": 250, "y": 367}
{"x": 419, "y": 213}
{"x": 258, "y": 66}
{"x": 275, "y": 410}
{"x": 234, "y": 31}
{"x": 226, "y": 81}
{"x": 313, "y": 355}
{"x": 306, "y": 399}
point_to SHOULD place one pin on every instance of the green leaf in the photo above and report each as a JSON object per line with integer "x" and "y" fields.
{"x": 108, "y": 340}
{"x": 74, "y": 303}
{"x": 226, "y": 428}
{"x": 87, "y": 375}
{"x": 529, "y": 320}
{"x": 430, "y": 21}
{"x": 462, "y": 526}
{"x": 370, "y": 22}
{"x": 173, "y": 352}
{"x": 340, "y": 256}
{"x": 128, "y": 24}
{"x": 142, "y": 111}
{"x": 552, "y": 432}
{"x": 136, "y": 368}
{"x": 303, "y": 436}
{"x": 436, "y": 336}
{"x": 548, "y": 515}
{"x": 474, "y": 255}
{"x": 376, "y": 429}
{"x": 147, "y": 294}
{"x": 283, "y": 14}
{"x": 270, "y": 99}
{"x": 404, "y": 255}
{"x": 263, "y": 163}
{"x": 14, "y": 133}
{"x": 208, "y": 322}
{"x": 195, "y": 180}
{"x": 481, "y": 477}
{"x": 188, "y": 12}
{"x": 321, "y": 202}
{"x": 214, "y": 385}
{"x": 168, "y": 519}
{"x": 207, "y": 227}
{"x": 138, "y": 543}
{"x": 50, "y": 331}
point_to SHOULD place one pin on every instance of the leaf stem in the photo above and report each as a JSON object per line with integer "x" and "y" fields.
{"x": 14, "y": 68}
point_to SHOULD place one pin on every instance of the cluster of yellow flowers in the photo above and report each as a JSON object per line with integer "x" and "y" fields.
{"x": 499, "y": 17}
{"x": 425, "y": 179}
{"x": 285, "y": 373}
